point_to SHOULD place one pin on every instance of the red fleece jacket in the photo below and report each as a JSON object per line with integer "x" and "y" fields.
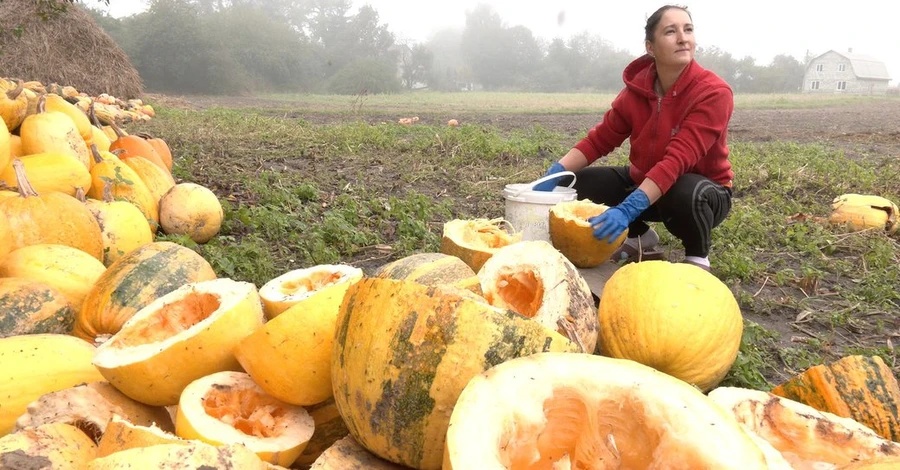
{"x": 685, "y": 131}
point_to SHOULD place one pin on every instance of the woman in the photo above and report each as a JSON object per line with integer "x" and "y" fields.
{"x": 676, "y": 115}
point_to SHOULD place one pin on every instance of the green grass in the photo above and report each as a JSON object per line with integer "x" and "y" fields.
{"x": 297, "y": 194}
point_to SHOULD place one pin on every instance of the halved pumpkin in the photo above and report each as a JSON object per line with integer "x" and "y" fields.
{"x": 292, "y": 287}
{"x": 404, "y": 351}
{"x": 121, "y": 434}
{"x": 186, "y": 334}
{"x": 230, "y": 408}
{"x": 802, "y": 436}
{"x": 292, "y": 367}
{"x": 560, "y": 411}
{"x": 673, "y": 317}
{"x": 534, "y": 280}
{"x": 54, "y": 446}
{"x": 573, "y": 236}
{"x": 475, "y": 240}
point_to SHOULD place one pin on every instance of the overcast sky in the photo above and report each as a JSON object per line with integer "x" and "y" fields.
{"x": 761, "y": 29}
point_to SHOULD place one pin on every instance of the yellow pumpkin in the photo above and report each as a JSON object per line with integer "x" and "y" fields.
{"x": 122, "y": 434}
{"x": 50, "y": 172}
{"x": 299, "y": 285}
{"x": 193, "y": 210}
{"x": 203, "y": 321}
{"x": 53, "y": 132}
{"x": 572, "y": 234}
{"x": 230, "y": 408}
{"x": 157, "y": 180}
{"x": 552, "y": 410}
{"x": 35, "y": 219}
{"x": 432, "y": 269}
{"x": 648, "y": 311}
{"x": 863, "y": 211}
{"x": 15, "y": 146}
{"x": 189, "y": 455}
{"x": 13, "y": 103}
{"x": 346, "y": 454}
{"x": 69, "y": 270}
{"x": 123, "y": 183}
{"x": 100, "y": 139}
{"x": 122, "y": 226}
{"x": 55, "y": 102}
{"x": 52, "y": 446}
{"x": 5, "y": 146}
{"x": 34, "y": 365}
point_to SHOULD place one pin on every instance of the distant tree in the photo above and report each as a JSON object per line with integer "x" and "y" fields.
{"x": 449, "y": 71}
{"x": 498, "y": 56}
{"x": 415, "y": 65}
{"x": 365, "y": 76}
{"x": 720, "y": 62}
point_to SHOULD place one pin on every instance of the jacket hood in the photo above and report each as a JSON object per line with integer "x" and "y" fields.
{"x": 640, "y": 75}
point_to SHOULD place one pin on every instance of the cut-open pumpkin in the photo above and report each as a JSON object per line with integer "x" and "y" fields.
{"x": 292, "y": 287}
{"x": 573, "y": 236}
{"x": 476, "y": 240}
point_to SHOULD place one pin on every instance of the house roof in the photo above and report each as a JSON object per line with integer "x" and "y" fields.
{"x": 864, "y": 66}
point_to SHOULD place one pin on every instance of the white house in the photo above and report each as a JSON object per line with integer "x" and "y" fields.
{"x": 846, "y": 72}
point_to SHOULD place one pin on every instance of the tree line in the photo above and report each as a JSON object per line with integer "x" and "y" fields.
{"x": 321, "y": 46}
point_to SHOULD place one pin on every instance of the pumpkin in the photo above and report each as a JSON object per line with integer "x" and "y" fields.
{"x": 189, "y": 455}
{"x": 5, "y": 147}
{"x": 863, "y": 211}
{"x": 133, "y": 281}
{"x": 49, "y": 172}
{"x": 862, "y": 388}
{"x": 123, "y": 228}
{"x": 229, "y": 408}
{"x": 54, "y": 446}
{"x": 13, "y": 103}
{"x": 32, "y": 307}
{"x": 124, "y": 184}
{"x": 15, "y": 146}
{"x": 100, "y": 139}
{"x": 536, "y": 281}
{"x": 648, "y": 309}
{"x": 475, "y": 240}
{"x": 157, "y": 180}
{"x": 404, "y": 351}
{"x": 432, "y": 269}
{"x": 6, "y": 235}
{"x": 553, "y": 410}
{"x": 161, "y": 147}
{"x": 57, "y": 103}
{"x": 296, "y": 368}
{"x": 794, "y": 435}
{"x": 69, "y": 270}
{"x": 324, "y": 281}
{"x": 90, "y": 407}
{"x": 121, "y": 434}
{"x": 191, "y": 209}
{"x": 34, "y": 365}
{"x": 202, "y": 321}
{"x": 35, "y": 218}
{"x": 53, "y": 132}
{"x": 329, "y": 429}
{"x": 347, "y": 454}
{"x": 572, "y": 234}
{"x": 134, "y": 146}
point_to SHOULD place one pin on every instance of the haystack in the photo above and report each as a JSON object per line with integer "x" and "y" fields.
{"x": 68, "y": 48}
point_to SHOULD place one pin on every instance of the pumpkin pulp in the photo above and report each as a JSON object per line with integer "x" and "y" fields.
{"x": 246, "y": 410}
{"x": 311, "y": 283}
{"x": 521, "y": 291}
{"x": 171, "y": 319}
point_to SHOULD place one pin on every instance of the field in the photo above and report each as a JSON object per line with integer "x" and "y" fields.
{"x": 312, "y": 180}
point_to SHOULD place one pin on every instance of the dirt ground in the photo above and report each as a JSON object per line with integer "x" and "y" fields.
{"x": 864, "y": 129}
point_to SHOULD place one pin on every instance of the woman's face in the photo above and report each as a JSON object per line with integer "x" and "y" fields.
{"x": 673, "y": 41}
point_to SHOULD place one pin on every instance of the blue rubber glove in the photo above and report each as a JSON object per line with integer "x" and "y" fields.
{"x": 616, "y": 219}
{"x": 551, "y": 183}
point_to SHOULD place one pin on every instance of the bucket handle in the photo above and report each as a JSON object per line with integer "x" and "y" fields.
{"x": 538, "y": 181}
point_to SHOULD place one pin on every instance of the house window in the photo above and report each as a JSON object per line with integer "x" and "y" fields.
{"x": 841, "y": 85}
{"x": 820, "y": 67}
{"x": 814, "y": 85}
{"x": 841, "y": 67}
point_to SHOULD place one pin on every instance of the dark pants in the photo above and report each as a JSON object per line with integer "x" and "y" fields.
{"x": 689, "y": 209}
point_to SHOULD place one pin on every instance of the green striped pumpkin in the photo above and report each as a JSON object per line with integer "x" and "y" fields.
{"x": 31, "y": 307}
{"x": 432, "y": 269}
{"x": 135, "y": 280}
{"x": 404, "y": 351}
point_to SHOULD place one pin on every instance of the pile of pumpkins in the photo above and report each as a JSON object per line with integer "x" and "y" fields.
{"x": 107, "y": 108}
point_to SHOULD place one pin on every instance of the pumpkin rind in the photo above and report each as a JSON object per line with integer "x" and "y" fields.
{"x": 572, "y": 234}
{"x": 32, "y": 307}
{"x": 135, "y": 280}
{"x": 54, "y": 446}
{"x": 475, "y": 240}
{"x": 648, "y": 309}
{"x": 191, "y": 209}
{"x": 432, "y": 269}
{"x": 404, "y": 351}
{"x": 862, "y": 388}
{"x": 192, "y": 455}
{"x": 50, "y": 172}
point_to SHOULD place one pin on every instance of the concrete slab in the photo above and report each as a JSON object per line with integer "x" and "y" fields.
{"x": 597, "y": 277}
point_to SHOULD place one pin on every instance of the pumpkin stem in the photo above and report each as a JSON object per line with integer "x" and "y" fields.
{"x": 119, "y": 133}
{"x": 143, "y": 135}
{"x": 42, "y": 104}
{"x": 25, "y": 188}
{"x": 79, "y": 194}
{"x": 96, "y": 154}
{"x": 15, "y": 92}
{"x": 93, "y": 115}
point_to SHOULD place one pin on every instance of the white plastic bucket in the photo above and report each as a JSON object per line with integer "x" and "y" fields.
{"x": 528, "y": 211}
